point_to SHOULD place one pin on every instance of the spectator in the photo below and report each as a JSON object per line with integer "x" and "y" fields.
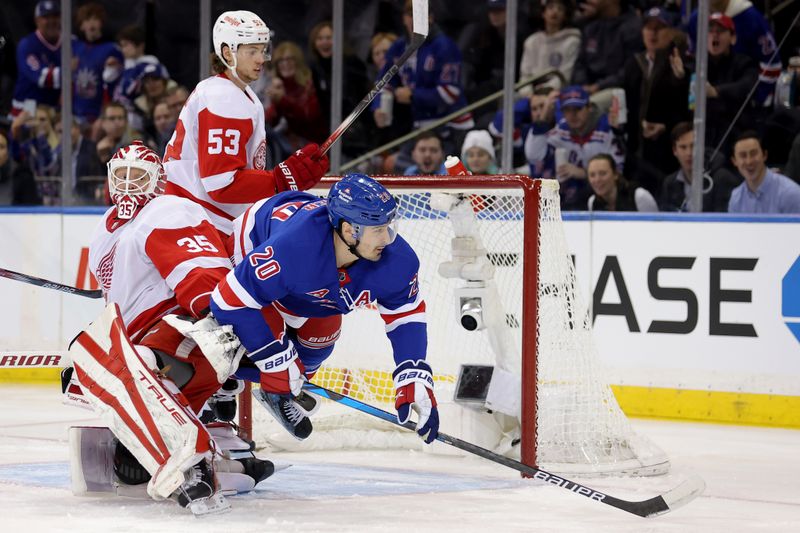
{"x": 755, "y": 40}
{"x": 431, "y": 85}
{"x": 428, "y": 156}
{"x": 354, "y": 85}
{"x": 131, "y": 40}
{"x": 34, "y": 140}
{"x": 607, "y": 43}
{"x": 379, "y": 45}
{"x": 555, "y": 47}
{"x": 478, "y": 153}
{"x": 176, "y": 98}
{"x": 154, "y": 80}
{"x": 39, "y": 61}
{"x": 294, "y": 98}
{"x": 163, "y": 126}
{"x": 612, "y": 192}
{"x": 676, "y": 189}
{"x": 17, "y": 185}
{"x": 564, "y": 151}
{"x": 116, "y": 132}
{"x": 484, "y": 52}
{"x": 94, "y": 56}
{"x": 84, "y": 164}
{"x": 539, "y": 108}
{"x": 657, "y": 94}
{"x": 763, "y": 190}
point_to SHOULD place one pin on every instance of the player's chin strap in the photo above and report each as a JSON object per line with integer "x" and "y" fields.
{"x": 232, "y": 67}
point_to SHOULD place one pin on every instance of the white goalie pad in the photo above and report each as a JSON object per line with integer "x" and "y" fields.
{"x": 218, "y": 343}
{"x": 163, "y": 434}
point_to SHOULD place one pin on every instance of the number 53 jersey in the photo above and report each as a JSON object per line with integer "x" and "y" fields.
{"x": 217, "y": 154}
{"x": 167, "y": 259}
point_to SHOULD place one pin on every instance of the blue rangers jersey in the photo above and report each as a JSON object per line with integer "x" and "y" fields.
{"x": 39, "y": 72}
{"x": 285, "y": 254}
{"x": 88, "y": 89}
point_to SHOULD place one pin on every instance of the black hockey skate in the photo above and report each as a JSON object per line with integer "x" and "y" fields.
{"x": 258, "y": 469}
{"x": 199, "y": 492}
{"x": 287, "y": 412}
{"x": 222, "y": 404}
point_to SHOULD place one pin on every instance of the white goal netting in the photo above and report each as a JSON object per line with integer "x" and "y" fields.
{"x": 477, "y": 234}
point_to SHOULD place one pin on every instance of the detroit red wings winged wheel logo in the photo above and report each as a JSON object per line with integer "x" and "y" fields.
{"x": 260, "y": 157}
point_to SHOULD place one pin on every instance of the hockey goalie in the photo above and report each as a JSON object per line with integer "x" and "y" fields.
{"x": 151, "y": 361}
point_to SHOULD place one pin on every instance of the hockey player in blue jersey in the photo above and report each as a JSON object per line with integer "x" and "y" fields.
{"x": 302, "y": 263}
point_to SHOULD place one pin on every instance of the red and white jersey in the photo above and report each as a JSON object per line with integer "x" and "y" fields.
{"x": 217, "y": 154}
{"x": 167, "y": 259}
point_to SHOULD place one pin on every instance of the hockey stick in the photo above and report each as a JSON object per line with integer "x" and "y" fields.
{"x": 664, "y": 503}
{"x": 33, "y": 280}
{"x": 418, "y": 36}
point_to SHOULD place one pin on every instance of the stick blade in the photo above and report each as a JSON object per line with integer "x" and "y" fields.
{"x": 687, "y": 491}
{"x": 419, "y": 13}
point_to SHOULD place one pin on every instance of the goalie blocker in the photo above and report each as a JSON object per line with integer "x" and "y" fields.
{"x": 148, "y": 415}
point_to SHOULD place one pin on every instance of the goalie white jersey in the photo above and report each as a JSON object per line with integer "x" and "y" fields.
{"x": 217, "y": 154}
{"x": 167, "y": 259}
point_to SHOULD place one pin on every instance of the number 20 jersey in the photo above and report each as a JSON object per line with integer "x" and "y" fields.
{"x": 217, "y": 154}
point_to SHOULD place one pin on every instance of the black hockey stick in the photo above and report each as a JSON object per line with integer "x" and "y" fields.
{"x": 33, "y": 280}
{"x": 664, "y": 503}
{"x": 418, "y": 36}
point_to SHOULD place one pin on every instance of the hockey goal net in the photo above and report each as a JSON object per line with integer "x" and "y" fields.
{"x": 493, "y": 252}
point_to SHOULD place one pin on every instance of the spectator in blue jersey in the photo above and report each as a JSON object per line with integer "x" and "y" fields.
{"x": 34, "y": 140}
{"x": 718, "y": 181}
{"x": 540, "y": 107}
{"x": 286, "y": 309}
{"x": 763, "y": 190}
{"x": 431, "y": 84}
{"x": 131, "y": 41}
{"x": 754, "y": 39}
{"x": 562, "y": 152}
{"x": 94, "y": 57}
{"x": 428, "y": 156}
{"x": 608, "y": 40}
{"x": 39, "y": 61}
{"x": 612, "y": 192}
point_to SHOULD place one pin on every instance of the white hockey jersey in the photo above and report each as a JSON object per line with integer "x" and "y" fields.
{"x": 167, "y": 259}
{"x": 217, "y": 154}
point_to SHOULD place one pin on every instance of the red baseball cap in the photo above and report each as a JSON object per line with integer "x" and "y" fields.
{"x": 723, "y": 20}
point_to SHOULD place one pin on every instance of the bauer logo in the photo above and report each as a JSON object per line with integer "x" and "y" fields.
{"x": 790, "y": 296}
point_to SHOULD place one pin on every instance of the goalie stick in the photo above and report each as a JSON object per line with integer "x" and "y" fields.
{"x": 419, "y": 11}
{"x": 33, "y": 280}
{"x": 663, "y": 503}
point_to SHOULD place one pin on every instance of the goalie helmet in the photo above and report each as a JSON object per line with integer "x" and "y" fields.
{"x": 135, "y": 176}
{"x": 361, "y": 201}
{"x": 235, "y": 28}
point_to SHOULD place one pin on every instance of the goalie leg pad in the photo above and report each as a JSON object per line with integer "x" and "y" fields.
{"x": 149, "y": 420}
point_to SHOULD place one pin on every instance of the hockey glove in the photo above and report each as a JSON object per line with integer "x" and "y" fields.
{"x": 413, "y": 381}
{"x": 283, "y": 372}
{"x": 218, "y": 343}
{"x": 301, "y": 170}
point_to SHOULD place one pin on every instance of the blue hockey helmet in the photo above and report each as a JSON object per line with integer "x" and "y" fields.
{"x": 361, "y": 201}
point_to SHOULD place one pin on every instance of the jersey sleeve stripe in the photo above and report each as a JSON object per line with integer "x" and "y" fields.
{"x": 205, "y": 296}
{"x": 406, "y": 319}
{"x": 182, "y": 270}
{"x": 390, "y": 319}
{"x": 218, "y": 181}
{"x": 411, "y": 306}
{"x": 230, "y": 295}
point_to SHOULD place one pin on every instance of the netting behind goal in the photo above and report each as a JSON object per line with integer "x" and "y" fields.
{"x": 497, "y": 241}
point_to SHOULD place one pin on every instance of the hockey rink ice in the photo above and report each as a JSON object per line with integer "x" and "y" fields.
{"x": 752, "y": 477}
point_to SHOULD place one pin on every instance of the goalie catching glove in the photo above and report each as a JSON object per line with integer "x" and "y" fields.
{"x": 301, "y": 170}
{"x": 413, "y": 381}
{"x": 218, "y": 343}
{"x": 282, "y": 372}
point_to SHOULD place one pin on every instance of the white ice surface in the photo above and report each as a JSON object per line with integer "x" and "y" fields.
{"x": 752, "y": 476}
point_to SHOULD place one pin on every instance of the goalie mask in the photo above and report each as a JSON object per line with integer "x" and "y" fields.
{"x": 361, "y": 201}
{"x": 235, "y": 28}
{"x": 135, "y": 176}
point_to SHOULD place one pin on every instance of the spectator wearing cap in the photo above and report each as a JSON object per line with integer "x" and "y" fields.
{"x": 478, "y": 153}
{"x": 555, "y": 47}
{"x": 607, "y": 42}
{"x": 39, "y": 61}
{"x": 657, "y": 96}
{"x": 483, "y": 45}
{"x": 718, "y": 181}
{"x": 763, "y": 190}
{"x": 564, "y": 151}
{"x": 94, "y": 56}
{"x": 754, "y": 39}
{"x": 154, "y": 82}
